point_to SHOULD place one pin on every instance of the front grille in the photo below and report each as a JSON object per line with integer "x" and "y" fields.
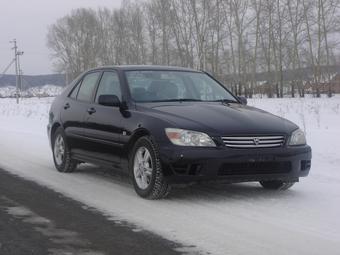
{"x": 253, "y": 141}
{"x": 249, "y": 168}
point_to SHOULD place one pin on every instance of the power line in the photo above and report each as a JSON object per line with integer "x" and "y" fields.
{"x": 6, "y": 69}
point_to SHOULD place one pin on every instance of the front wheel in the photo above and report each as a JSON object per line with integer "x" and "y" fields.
{"x": 276, "y": 185}
{"x": 146, "y": 170}
{"x": 62, "y": 153}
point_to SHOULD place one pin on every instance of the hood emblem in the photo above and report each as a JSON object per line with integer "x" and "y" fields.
{"x": 256, "y": 141}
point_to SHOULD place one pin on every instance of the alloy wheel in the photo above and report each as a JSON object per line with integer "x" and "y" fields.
{"x": 142, "y": 167}
{"x": 59, "y": 150}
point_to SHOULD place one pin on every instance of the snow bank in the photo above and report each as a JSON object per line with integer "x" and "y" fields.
{"x": 43, "y": 91}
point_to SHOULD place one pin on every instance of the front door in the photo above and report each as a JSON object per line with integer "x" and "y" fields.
{"x": 103, "y": 124}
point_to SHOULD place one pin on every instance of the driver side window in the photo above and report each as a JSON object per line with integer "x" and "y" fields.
{"x": 88, "y": 86}
{"x": 109, "y": 85}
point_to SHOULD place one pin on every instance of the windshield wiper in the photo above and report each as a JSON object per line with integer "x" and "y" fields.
{"x": 225, "y": 101}
{"x": 178, "y": 100}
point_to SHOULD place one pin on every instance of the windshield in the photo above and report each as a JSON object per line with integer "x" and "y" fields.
{"x": 166, "y": 86}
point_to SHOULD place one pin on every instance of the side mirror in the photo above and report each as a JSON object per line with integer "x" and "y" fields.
{"x": 243, "y": 100}
{"x": 109, "y": 100}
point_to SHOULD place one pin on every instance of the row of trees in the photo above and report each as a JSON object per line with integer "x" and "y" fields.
{"x": 233, "y": 39}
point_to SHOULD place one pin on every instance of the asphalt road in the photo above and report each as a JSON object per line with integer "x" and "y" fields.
{"x": 36, "y": 220}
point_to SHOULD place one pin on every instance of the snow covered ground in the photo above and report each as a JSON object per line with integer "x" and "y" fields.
{"x": 212, "y": 218}
{"x": 46, "y": 90}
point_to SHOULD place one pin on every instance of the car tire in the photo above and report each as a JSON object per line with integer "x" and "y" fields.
{"x": 146, "y": 170}
{"x": 62, "y": 153}
{"x": 276, "y": 185}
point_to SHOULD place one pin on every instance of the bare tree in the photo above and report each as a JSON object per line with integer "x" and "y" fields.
{"x": 294, "y": 8}
{"x": 254, "y": 46}
{"x": 74, "y": 41}
{"x": 257, "y": 6}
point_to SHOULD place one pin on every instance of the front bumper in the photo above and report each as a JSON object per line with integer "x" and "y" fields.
{"x": 185, "y": 165}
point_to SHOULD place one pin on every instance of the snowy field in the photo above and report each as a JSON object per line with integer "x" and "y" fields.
{"x": 207, "y": 219}
{"x": 46, "y": 90}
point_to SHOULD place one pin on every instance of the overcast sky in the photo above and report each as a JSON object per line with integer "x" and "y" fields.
{"x": 28, "y": 21}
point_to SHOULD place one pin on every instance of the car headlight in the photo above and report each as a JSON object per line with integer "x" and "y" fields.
{"x": 297, "y": 138}
{"x": 189, "y": 138}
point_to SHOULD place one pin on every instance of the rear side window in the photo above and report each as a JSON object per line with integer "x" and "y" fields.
{"x": 87, "y": 87}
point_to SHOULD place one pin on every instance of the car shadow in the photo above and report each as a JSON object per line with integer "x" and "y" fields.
{"x": 98, "y": 171}
{"x": 226, "y": 191}
{"x": 211, "y": 191}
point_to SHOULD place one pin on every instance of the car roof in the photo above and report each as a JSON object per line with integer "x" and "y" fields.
{"x": 147, "y": 68}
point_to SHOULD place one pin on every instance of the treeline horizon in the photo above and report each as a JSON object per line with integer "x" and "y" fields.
{"x": 234, "y": 40}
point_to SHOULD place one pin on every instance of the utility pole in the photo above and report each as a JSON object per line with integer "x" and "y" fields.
{"x": 17, "y": 67}
{"x": 20, "y": 53}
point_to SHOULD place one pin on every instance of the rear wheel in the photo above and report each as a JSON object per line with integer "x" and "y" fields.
{"x": 276, "y": 185}
{"x": 62, "y": 153}
{"x": 146, "y": 171}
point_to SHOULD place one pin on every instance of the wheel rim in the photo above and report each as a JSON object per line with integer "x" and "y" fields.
{"x": 59, "y": 150}
{"x": 142, "y": 167}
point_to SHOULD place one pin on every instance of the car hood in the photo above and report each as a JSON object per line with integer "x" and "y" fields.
{"x": 220, "y": 119}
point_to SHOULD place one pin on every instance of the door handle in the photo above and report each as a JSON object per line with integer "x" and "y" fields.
{"x": 66, "y": 106}
{"x": 91, "y": 110}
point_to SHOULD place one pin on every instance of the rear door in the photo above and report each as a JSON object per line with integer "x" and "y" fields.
{"x": 76, "y": 106}
{"x": 103, "y": 124}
